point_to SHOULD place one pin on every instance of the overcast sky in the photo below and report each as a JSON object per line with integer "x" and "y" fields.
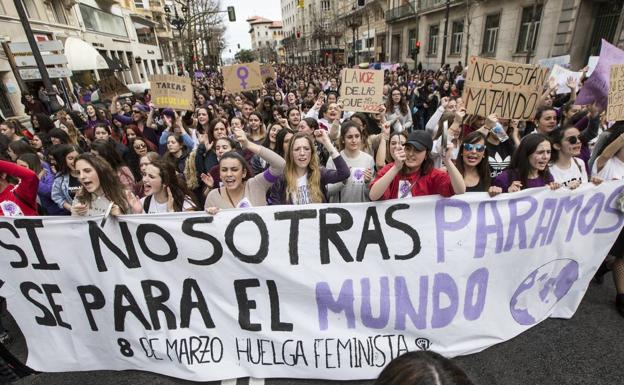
{"x": 238, "y": 32}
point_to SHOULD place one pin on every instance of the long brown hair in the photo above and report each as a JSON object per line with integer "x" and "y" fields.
{"x": 109, "y": 181}
{"x": 314, "y": 171}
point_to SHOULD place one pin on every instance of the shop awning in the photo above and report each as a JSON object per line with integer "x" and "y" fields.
{"x": 82, "y": 56}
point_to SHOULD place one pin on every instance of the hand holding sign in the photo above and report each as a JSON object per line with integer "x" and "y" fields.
{"x": 242, "y": 77}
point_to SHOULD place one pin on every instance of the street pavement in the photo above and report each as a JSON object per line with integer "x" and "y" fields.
{"x": 585, "y": 350}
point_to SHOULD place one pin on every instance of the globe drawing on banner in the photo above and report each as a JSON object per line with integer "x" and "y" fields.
{"x": 542, "y": 289}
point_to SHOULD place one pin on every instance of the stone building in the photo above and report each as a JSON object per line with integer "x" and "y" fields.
{"x": 503, "y": 29}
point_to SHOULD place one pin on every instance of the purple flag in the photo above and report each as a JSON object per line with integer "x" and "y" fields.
{"x": 596, "y": 87}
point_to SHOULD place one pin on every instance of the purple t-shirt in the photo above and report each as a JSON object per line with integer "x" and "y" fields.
{"x": 504, "y": 180}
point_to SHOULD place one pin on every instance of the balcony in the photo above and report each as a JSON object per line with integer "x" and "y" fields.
{"x": 399, "y": 13}
{"x": 425, "y": 6}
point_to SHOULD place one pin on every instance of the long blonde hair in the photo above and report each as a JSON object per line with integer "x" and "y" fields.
{"x": 314, "y": 171}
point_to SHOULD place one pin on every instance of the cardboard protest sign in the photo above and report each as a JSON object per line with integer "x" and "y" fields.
{"x": 171, "y": 91}
{"x": 563, "y": 61}
{"x": 561, "y": 75}
{"x": 267, "y": 72}
{"x": 615, "y": 109}
{"x": 361, "y": 89}
{"x": 509, "y": 90}
{"x": 284, "y": 291}
{"x": 112, "y": 86}
{"x": 242, "y": 77}
{"x": 596, "y": 87}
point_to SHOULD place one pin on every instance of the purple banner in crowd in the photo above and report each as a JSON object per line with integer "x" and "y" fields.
{"x": 596, "y": 87}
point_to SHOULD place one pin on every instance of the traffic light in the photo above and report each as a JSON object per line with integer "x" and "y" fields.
{"x": 417, "y": 47}
{"x": 231, "y": 13}
{"x": 238, "y": 46}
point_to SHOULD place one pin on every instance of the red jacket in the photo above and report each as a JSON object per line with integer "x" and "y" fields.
{"x": 21, "y": 199}
{"x": 432, "y": 183}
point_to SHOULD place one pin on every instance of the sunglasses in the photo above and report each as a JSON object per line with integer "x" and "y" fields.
{"x": 474, "y": 147}
{"x": 136, "y": 111}
{"x": 139, "y": 146}
{"x": 573, "y": 139}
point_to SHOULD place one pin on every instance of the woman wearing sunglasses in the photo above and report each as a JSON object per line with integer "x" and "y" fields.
{"x": 473, "y": 164}
{"x": 566, "y": 168}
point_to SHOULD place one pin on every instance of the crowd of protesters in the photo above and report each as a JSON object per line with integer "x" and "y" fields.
{"x": 292, "y": 143}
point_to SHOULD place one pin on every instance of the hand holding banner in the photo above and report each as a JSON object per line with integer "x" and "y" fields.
{"x": 170, "y": 91}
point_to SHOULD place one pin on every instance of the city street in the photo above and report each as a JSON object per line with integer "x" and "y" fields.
{"x": 586, "y": 349}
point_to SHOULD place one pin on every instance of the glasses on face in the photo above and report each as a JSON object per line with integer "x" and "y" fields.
{"x": 573, "y": 139}
{"x": 136, "y": 111}
{"x": 139, "y": 146}
{"x": 474, "y": 147}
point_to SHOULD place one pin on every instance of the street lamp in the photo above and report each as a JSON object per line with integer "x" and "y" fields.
{"x": 354, "y": 21}
{"x": 45, "y": 78}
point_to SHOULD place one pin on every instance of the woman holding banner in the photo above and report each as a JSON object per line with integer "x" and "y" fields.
{"x": 361, "y": 167}
{"x": 163, "y": 191}
{"x": 101, "y": 192}
{"x": 474, "y": 166}
{"x": 610, "y": 166}
{"x": 240, "y": 188}
{"x": 529, "y": 166}
{"x": 412, "y": 172}
{"x": 305, "y": 180}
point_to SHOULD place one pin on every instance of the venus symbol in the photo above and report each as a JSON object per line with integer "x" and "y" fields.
{"x": 243, "y": 74}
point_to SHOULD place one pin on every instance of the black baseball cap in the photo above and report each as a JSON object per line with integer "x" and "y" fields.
{"x": 421, "y": 140}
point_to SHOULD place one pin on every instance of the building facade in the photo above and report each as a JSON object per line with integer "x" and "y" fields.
{"x": 266, "y": 38}
{"x": 512, "y": 30}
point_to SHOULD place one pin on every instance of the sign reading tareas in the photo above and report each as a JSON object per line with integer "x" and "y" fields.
{"x": 170, "y": 91}
{"x": 362, "y": 90}
{"x": 509, "y": 90}
{"x": 615, "y": 109}
{"x": 242, "y": 77}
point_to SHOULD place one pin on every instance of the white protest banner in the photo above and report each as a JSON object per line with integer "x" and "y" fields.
{"x": 316, "y": 291}
{"x": 509, "y": 90}
{"x": 361, "y": 89}
{"x": 242, "y": 77}
{"x": 615, "y": 109}
{"x": 550, "y": 62}
{"x": 561, "y": 75}
{"x": 592, "y": 62}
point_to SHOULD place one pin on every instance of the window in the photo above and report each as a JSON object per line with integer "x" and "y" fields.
{"x": 370, "y": 42}
{"x": 434, "y": 31}
{"x": 457, "y": 37}
{"x": 490, "y": 36}
{"x": 411, "y": 40}
{"x": 324, "y": 5}
{"x": 31, "y": 9}
{"x": 55, "y": 9}
{"x": 138, "y": 3}
{"x": 145, "y": 34}
{"x": 99, "y": 21}
{"x": 529, "y": 29}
